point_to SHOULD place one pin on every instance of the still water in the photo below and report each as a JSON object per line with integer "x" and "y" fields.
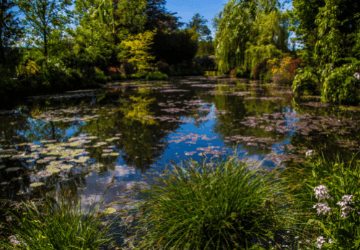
{"x": 80, "y": 140}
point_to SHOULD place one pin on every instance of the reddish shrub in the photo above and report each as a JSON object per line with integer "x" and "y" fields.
{"x": 163, "y": 67}
{"x": 114, "y": 71}
{"x": 295, "y": 64}
{"x": 260, "y": 69}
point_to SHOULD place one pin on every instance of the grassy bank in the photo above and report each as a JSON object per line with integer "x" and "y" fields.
{"x": 230, "y": 205}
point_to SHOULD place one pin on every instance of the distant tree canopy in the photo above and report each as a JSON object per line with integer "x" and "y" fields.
{"x": 10, "y": 29}
{"x": 42, "y": 17}
{"x": 175, "y": 47}
{"x": 248, "y": 32}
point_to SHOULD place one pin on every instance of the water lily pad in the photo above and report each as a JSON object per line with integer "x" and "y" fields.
{"x": 66, "y": 167}
{"x": 82, "y": 159}
{"x": 110, "y": 210}
{"x": 114, "y": 154}
{"x": 12, "y": 169}
{"x": 36, "y": 184}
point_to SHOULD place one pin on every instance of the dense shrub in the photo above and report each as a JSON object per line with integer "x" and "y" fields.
{"x": 163, "y": 67}
{"x": 74, "y": 78}
{"x": 117, "y": 77}
{"x": 239, "y": 73}
{"x": 260, "y": 69}
{"x": 100, "y": 76}
{"x": 127, "y": 68}
{"x": 206, "y": 62}
{"x": 294, "y": 65}
{"x": 156, "y": 76}
{"x": 340, "y": 85}
{"x": 139, "y": 75}
{"x": 53, "y": 74}
{"x": 306, "y": 79}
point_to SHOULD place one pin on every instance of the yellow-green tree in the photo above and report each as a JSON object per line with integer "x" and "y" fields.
{"x": 136, "y": 50}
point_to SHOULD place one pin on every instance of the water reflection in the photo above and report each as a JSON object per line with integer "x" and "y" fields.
{"x": 73, "y": 141}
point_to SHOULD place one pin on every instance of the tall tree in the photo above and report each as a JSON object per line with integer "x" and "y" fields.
{"x": 198, "y": 24}
{"x": 44, "y": 16}
{"x": 10, "y": 30}
{"x": 248, "y": 32}
{"x": 159, "y": 18}
{"x": 327, "y": 26}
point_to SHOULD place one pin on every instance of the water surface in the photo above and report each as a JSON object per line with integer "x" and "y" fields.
{"x": 80, "y": 140}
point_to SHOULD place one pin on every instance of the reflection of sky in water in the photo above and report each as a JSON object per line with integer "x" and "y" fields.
{"x": 177, "y": 141}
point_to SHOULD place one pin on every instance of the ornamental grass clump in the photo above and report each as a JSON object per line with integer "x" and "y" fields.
{"x": 62, "y": 224}
{"x": 229, "y": 206}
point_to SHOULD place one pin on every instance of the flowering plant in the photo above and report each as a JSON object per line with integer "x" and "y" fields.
{"x": 328, "y": 200}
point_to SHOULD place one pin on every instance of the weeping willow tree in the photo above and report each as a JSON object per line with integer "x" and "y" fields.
{"x": 249, "y": 31}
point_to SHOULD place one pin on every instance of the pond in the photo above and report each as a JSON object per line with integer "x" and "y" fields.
{"x": 79, "y": 140}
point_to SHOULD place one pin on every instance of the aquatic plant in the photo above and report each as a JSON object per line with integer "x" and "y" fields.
{"x": 203, "y": 207}
{"x": 62, "y": 224}
{"x": 156, "y": 76}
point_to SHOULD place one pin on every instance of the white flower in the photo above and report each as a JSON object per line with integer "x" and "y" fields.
{"x": 347, "y": 199}
{"x": 310, "y": 153}
{"x": 320, "y": 241}
{"x": 321, "y": 193}
{"x": 322, "y": 208}
{"x": 330, "y": 241}
{"x": 357, "y": 75}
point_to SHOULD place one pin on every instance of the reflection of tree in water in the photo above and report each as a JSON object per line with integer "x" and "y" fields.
{"x": 229, "y": 124}
{"x": 142, "y": 137}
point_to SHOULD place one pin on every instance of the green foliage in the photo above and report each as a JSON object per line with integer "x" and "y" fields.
{"x": 175, "y": 48}
{"x": 139, "y": 75}
{"x": 42, "y": 17}
{"x": 62, "y": 224}
{"x": 248, "y": 32}
{"x": 198, "y": 24}
{"x": 130, "y": 18}
{"x": 136, "y": 50}
{"x": 10, "y": 30}
{"x": 339, "y": 178}
{"x": 162, "y": 67}
{"x": 340, "y": 85}
{"x": 157, "y": 76}
{"x": 100, "y": 76}
{"x": 201, "y": 207}
{"x": 306, "y": 79}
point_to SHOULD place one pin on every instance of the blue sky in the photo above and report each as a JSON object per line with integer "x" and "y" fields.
{"x": 186, "y": 9}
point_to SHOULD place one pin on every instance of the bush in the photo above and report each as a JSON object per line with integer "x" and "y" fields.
{"x": 100, "y": 76}
{"x": 163, "y": 67}
{"x": 139, "y": 75}
{"x": 54, "y": 75}
{"x": 239, "y": 73}
{"x": 156, "y": 76}
{"x": 340, "y": 85}
{"x": 74, "y": 77}
{"x": 260, "y": 69}
{"x": 281, "y": 70}
{"x": 306, "y": 79}
{"x": 127, "y": 68}
{"x": 117, "y": 77}
{"x": 201, "y": 207}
